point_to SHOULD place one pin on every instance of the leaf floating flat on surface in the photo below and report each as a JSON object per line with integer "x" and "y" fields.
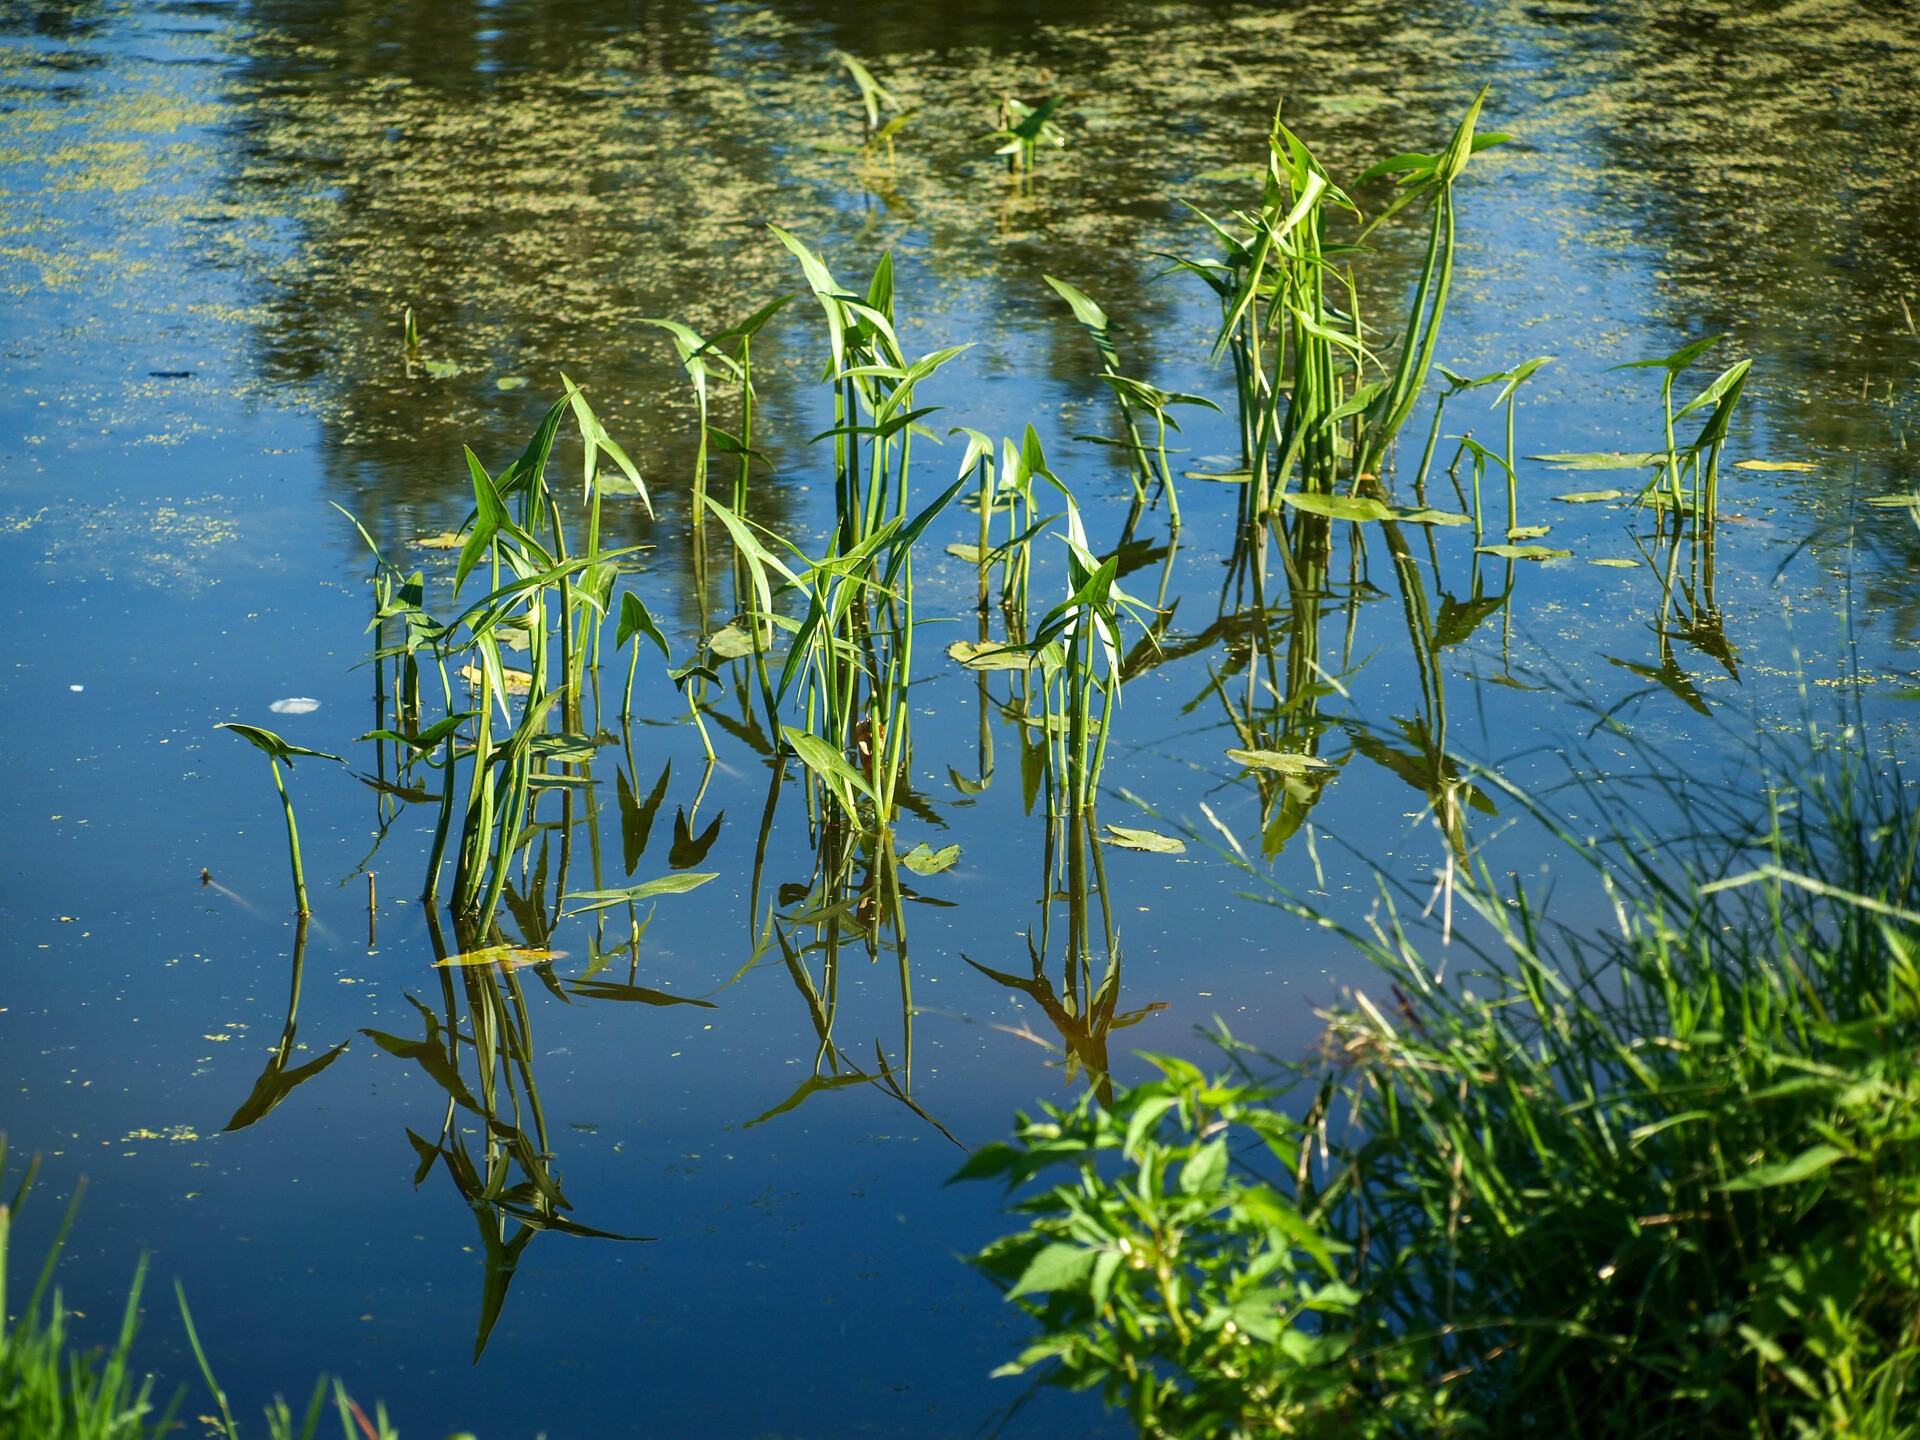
{"x": 518, "y": 681}
{"x": 972, "y": 554}
{"x": 923, "y": 859}
{"x": 1126, "y": 838}
{"x": 511, "y": 382}
{"x": 1280, "y": 761}
{"x": 1590, "y": 497}
{"x": 445, "y": 540}
{"x": 1527, "y": 532}
{"x": 989, "y": 655}
{"x": 1524, "y": 552}
{"x": 441, "y": 369}
{"x": 1614, "y": 562}
{"x": 1360, "y": 508}
{"x": 295, "y": 705}
{"x": 1604, "y": 460}
{"x": 1798, "y": 467}
{"x": 730, "y": 642}
{"x": 507, "y": 957}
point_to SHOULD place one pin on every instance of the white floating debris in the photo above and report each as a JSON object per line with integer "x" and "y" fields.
{"x": 296, "y": 705}
{"x": 76, "y": 688}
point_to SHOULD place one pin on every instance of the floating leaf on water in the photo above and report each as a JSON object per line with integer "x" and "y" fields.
{"x": 1359, "y": 508}
{"x": 1126, "y": 838}
{"x": 1614, "y": 562}
{"x": 1590, "y": 497}
{"x": 295, "y": 705}
{"x": 1338, "y": 507}
{"x": 507, "y": 957}
{"x": 1524, "y": 552}
{"x": 1604, "y": 460}
{"x": 989, "y": 655}
{"x": 972, "y": 554}
{"x": 730, "y": 642}
{"x": 518, "y": 681}
{"x": 1797, "y": 466}
{"x": 1527, "y": 532}
{"x": 1220, "y": 477}
{"x": 1280, "y": 761}
{"x": 923, "y": 859}
{"x": 511, "y": 382}
{"x": 440, "y": 369}
{"x": 445, "y": 540}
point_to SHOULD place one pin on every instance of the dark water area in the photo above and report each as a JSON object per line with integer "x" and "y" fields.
{"x": 215, "y": 218}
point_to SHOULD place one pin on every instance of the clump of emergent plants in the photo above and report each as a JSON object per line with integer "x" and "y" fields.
{"x": 1659, "y": 1180}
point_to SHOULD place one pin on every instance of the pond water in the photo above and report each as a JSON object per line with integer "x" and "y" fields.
{"x": 216, "y": 218}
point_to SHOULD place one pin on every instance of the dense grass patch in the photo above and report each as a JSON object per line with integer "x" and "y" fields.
{"x": 1662, "y": 1179}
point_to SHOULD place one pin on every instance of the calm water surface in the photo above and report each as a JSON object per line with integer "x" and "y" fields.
{"x": 214, "y": 218}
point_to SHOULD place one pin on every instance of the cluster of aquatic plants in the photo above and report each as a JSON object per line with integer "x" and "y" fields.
{"x": 1663, "y": 1179}
{"x": 52, "y": 1390}
{"x": 496, "y": 714}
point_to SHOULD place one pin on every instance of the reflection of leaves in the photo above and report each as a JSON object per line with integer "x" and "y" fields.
{"x": 429, "y": 1054}
{"x": 637, "y": 994}
{"x": 1459, "y": 619}
{"x": 277, "y": 1082}
{"x": 689, "y": 849}
{"x": 636, "y": 819}
{"x": 1420, "y": 767}
{"x": 1136, "y": 555}
{"x": 1669, "y": 677}
{"x": 813, "y": 1085}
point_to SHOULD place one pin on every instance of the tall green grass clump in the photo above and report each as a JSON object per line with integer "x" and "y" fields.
{"x": 1661, "y": 1179}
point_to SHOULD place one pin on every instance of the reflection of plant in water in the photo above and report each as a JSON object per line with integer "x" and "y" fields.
{"x": 851, "y": 908}
{"x": 277, "y": 1082}
{"x": 1083, "y": 1010}
{"x": 486, "y": 1070}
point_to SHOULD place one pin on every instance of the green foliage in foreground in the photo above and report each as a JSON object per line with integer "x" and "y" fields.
{"x": 51, "y": 1391}
{"x": 1658, "y": 1181}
